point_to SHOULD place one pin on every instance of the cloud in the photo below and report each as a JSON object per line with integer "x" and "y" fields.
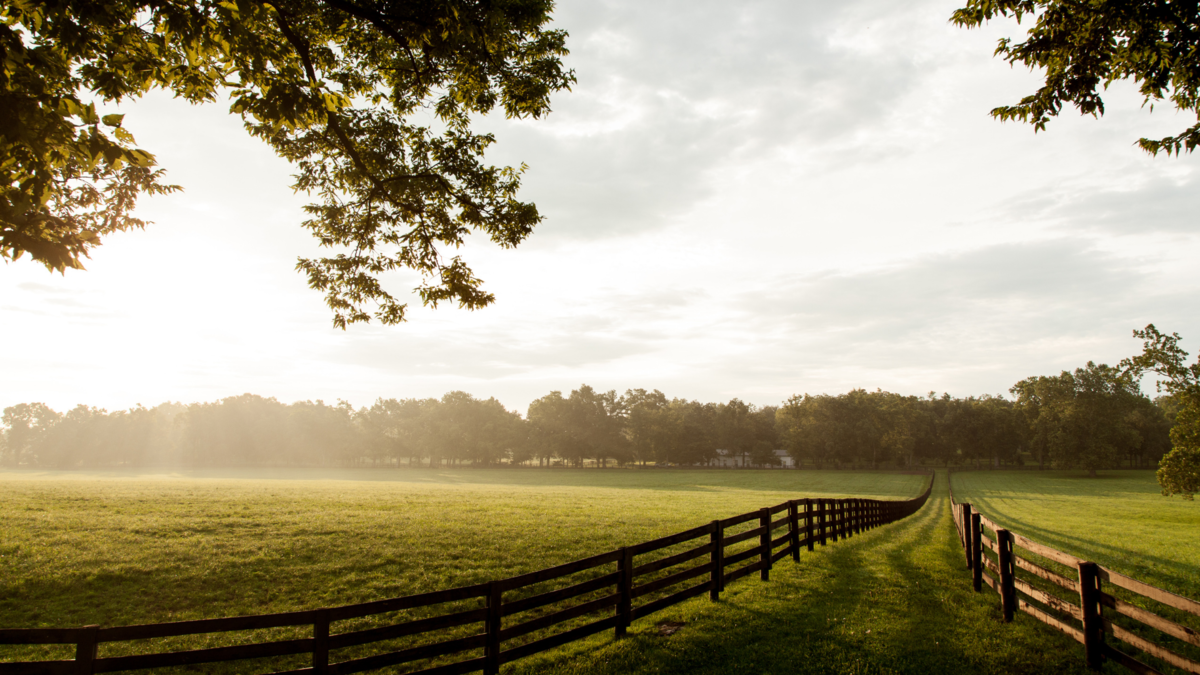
{"x": 673, "y": 95}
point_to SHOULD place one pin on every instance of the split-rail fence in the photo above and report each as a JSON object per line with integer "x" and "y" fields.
{"x": 485, "y": 625}
{"x": 1088, "y": 613}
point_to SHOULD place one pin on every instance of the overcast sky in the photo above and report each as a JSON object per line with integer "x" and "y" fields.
{"x": 751, "y": 200}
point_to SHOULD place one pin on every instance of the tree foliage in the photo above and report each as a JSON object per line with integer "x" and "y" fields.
{"x": 1086, "y": 418}
{"x": 1084, "y": 46}
{"x": 1162, "y": 355}
{"x": 337, "y": 87}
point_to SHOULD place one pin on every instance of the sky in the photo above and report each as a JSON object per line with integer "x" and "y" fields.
{"x": 750, "y": 200}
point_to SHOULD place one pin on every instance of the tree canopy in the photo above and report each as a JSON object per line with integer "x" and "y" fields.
{"x": 1179, "y": 472}
{"x": 337, "y": 87}
{"x": 1085, "y": 46}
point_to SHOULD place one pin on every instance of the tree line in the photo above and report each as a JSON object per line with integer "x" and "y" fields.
{"x": 1092, "y": 418}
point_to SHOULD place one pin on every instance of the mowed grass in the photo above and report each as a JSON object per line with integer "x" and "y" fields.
{"x": 896, "y": 599}
{"x": 1118, "y": 519}
{"x": 126, "y": 549}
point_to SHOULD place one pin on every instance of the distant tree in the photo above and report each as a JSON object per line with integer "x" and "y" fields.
{"x": 333, "y": 86}
{"x": 1081, "y": 419}
{"x": 1083, "y": 47}
{"x": 649, "y": 424}
{"x": 735, "y": 429}
{"x": 24, "y": 426}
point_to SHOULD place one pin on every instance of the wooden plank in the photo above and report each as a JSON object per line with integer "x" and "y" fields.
{"x": 1046, "y": 552}
{"x": 988, "y": 542}
{"x": 558, "y": 617}
{"x": 744, "y": 555}
{"x": 1152, "y": 592}
{"x": 991, "y": 565}
{"x": 1039, "y": 571}
{"x": 212, "y": 655}
{"x": 406, "y": 602}
{"x": 990, "y": 581}
{"x": 673, "y": 599}
{"x": 553, "y": 641}
{"x": 38, "y": 667}
{"x": 1054, "y": 623}
{"x": 671, "y": 540}
{"x": 673, "y": 560}
{"x": 782, "y": 539}
{"x": 158, "y": 630}
{"x": 743, "y": 536}
{"x": 986, "y": 522}
{"x": 40, "y": 636}
{"x": 738, "y": 520}
{"x": 399, "y": 630}
{"x": 780, "y": 508}
{"x": 671, "y": 580}
{"x": 1128, "y": 661}
{"x": 1151, "y": 619}
{"x": 542, "y": 599}
{"x": 781, "y": 554}
{"x": 776, "y": 524}
{"x": 741, "y": 572}
{"x": 520, "y": 581}
{"x": 1048, "y": 600}
{"x": 1151, "y": 648}
{"x": 412, "y": 654}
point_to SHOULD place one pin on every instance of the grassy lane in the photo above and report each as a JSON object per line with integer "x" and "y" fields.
{"x": 894, "y": 600}
{"x": 1118, "y": 519}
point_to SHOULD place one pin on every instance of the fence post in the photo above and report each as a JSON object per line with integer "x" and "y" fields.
{"x": 858, "y": 510}
{"x": 794, "y": 530}
{"x": 85, "y": 651}
{"x": 320, "y": 654}
{"x": 810, "y": 533}
{"x": 1093, "y": 624}
{"x": 822, "y": 503}
{"x": 1008, "y": 593}
{"x": 834, "y": 521}
{"x": 491, "y": 650}
{"x": 964, "y": 514}
{"x": 625, "y": 588}
{"x": 976, "y": 552}
{"x": 764, "y": 544}
{"x": 717, "y": 558}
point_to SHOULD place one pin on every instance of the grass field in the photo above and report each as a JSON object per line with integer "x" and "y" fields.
{"x": 896, "y": 599}
{"x": 126, "y": 549}
{"x": 1119, "y": 519}
{"x": 115, "y": 550}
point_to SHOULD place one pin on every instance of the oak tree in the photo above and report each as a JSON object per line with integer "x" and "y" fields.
{"x": 337, "y": 87}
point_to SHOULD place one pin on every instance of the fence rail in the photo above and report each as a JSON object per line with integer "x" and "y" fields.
{"x": 1090, "y": 614}
{"x": 616, "y": 589}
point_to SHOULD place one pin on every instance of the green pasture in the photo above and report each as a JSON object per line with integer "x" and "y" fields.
{"x": 124, "y": 549}
{"x": 115, "y": 549}
{"x": 896, "y": 599}
{"x": 1118, "y": 519}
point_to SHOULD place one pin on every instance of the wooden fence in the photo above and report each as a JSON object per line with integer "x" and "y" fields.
{"x": 486, "y": 625}
{"x": 1089, "y": 613}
